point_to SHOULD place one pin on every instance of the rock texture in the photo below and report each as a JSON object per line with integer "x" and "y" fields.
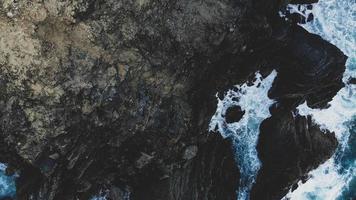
{"x": 289, "y": 146}
{"x": 234, "y": 114}
{"x": 117, "y": 95}
{"x": 310, "y": 70}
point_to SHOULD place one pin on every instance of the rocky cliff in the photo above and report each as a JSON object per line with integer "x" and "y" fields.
{"x": 117, "y": 95}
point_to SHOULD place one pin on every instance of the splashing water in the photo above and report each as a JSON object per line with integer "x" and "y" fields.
{"x": 101, "y": 196}
{"x": 244, "y": 133}
{"x": 335, "y": 21}
{"x": 7, "y": 183}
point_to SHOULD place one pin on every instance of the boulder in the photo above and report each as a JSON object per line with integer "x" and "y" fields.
{"x": 289, "y": 147}
{"x": 303, "y": 1}
{"x": 234, "y": 114}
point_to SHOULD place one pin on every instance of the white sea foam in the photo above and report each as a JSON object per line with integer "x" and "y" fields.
{"x": 244, "y": 133}
{"x": 7, "y": 183}
{"x": 300, "y": 9}
{"x": 335, "y": 21}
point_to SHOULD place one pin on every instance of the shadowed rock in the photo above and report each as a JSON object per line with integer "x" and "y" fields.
{"x": 289, "y": 147}
{"x": 352, "y": 81}
{"x": 102, "y": 94}
{"x": 310, "y": 69}
{"x": 96, "y": 94}
{"x": 234, "y": 114}
{"x": 303, "y": 1}
{"x": 200, "y": 178}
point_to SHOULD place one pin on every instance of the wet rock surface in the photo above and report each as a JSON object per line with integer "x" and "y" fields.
{"x": 289, "y": 146}
{"x": 311, "y": 69}
{"x": 234, "y": 114}
{"x": 118, "y": 95}
{"x": 352, "y": 81}
{"x": 303, "y": 1}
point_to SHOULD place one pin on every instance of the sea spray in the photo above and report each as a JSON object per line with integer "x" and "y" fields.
{"x": 7, "y": 183}
{"x": 254, "y": 101}
{"x": 335, "y": 21}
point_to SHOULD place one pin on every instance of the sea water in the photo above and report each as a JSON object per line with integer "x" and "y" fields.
{"x": 7, "y": 183}
{"x": 254, "y": 101}
{"x": 335, "y": 21}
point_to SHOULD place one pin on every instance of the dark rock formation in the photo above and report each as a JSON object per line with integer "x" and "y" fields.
{"x": 352, "y": 81}
{"x": 200, "y": 178}
{"x": 117, "y": 95}
{"x": 298, "y": 18}
{"x": 289, "y": 146}
{"x": 234, "y": 114}
{"x": 303, "y": 1}
{"x": 102, "y": 93}
{"x": 310, "y": 69}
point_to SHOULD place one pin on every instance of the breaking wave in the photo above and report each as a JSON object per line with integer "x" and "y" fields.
{"x": 335, "y": 21}
{"x": 254, "y": 101}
